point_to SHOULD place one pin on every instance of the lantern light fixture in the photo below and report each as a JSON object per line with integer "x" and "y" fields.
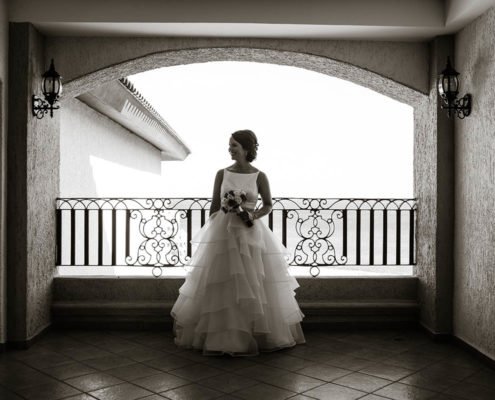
{"x": 448, "y": 89}
{"x": 51, "y": 87}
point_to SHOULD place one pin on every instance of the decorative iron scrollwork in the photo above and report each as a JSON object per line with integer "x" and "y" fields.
{"x": 315, "y": 229}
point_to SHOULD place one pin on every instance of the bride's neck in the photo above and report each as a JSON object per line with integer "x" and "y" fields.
{"x": 243, "y": 166}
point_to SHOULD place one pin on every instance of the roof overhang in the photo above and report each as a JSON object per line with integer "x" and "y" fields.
{"x": 121, "y": 102}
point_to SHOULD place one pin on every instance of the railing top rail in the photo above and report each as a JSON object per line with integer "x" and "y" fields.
{"x": 203, "y": 203}
{"x": 209, "y": 198}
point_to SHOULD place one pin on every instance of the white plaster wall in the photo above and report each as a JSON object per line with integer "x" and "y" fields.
{"x": 4, "y": 37}
{"x": 474, "y": 250}
{"x": 100, "y": 158}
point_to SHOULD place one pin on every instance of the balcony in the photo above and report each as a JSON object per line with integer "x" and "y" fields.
{"x": 123, "y": 260}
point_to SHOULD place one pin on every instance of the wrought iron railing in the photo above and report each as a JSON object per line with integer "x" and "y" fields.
{"x": 157, "y": 231}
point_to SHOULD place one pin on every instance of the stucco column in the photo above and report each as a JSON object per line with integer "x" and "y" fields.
{"x": 4, "y": 44}
{"x": 434, "y": 187}
{"x": 33, "y": 182}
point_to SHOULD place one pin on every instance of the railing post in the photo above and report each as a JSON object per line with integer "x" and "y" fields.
{"x": 411, "y": 237}
{"x": 72, "y": 237}
{"x": 398, "y": 241}
{"x": 127, "y": 233}
{"x": 344, "y": 233}
{"x": 284, "y": 227}
{"x": 358, "y": 237}
{"x": 114, "y": 237}
{"x": 189, "y": 232}
{"x": 58, "y": 250}
{"x": 86, "y": 237}
{"x": 372, "y": 237}
{"x": 100, "y": 236}
{"x": 385, "y": 239}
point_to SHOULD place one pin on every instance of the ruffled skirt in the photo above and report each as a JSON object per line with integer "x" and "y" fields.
{"x": 238, "y": 297}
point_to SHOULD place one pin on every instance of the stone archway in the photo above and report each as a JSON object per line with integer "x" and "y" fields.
{"x": 310, "y": 62}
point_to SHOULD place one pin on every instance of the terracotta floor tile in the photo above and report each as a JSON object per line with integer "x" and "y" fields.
{"x": 399, "y": 391}
{"x": 260, "y": 372}
{"x": 161, "y": 382}
{"x": 228, "y": 382}
{"x": 108, "y": 362}
{"x": 48, "y": 391}
{"x": 334, "y": 392}
{"x": 324, "y": 372}
{"x": 348, "y": 362}
{"x": 386, "y": 371}
{"x": 453, "y": 371}
{"x": 331, "y": 365}
{"x": 484, "y": 377}
{"x": 70, "y": 371}
{"x": 263, "y": 391}
{"x": 192, "y": 392}
{"x": 425, "y": 380}
{"x": 8, "y": 395}
{"x": 124, "y": 391}
{"x": 229, "y": 363}
{"x": 410, "y": 360}
{"x": 363, "y": 382}
{"x": 85, "y": 352}
{"x": 295, "y": 382}
{"x": 196, "y": 372}
{"x": 471, "y": 391}
{"x": 141, "y": 353}
{"x": 15, "y": 380}
{"x": 94, "y": 381}
{"x": 132, "y": 371}
{"x": 168, "y": 362}
{"x": 289, "y": 363}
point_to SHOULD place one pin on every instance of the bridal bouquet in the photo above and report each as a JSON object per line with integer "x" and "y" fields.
{"x": 232, "y": 202}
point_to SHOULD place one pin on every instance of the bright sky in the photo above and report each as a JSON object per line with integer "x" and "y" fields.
{"x": 319, "y": 136}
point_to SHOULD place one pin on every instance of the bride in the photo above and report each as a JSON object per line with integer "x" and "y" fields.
{"x": 238, "y": 297}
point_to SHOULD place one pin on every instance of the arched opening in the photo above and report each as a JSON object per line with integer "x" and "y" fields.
{"x": 308, "y": 62}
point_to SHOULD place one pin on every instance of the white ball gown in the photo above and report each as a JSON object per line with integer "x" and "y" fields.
{"x": 238, "y": 297}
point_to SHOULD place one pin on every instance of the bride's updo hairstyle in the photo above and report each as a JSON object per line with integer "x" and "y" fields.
{"x": 248, "y": 141}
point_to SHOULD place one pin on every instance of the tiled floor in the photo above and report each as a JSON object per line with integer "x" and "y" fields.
{"x": 368, "y": 365}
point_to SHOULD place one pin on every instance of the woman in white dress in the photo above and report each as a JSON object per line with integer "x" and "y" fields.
{"x": 238, "y": 297}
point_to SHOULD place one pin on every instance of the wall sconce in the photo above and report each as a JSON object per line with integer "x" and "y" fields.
{"x": 51, "y": 87}
{"x": 448, "y": 89}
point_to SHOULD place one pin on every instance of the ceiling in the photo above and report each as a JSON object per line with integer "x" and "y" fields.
{"x": 404, "y": 20}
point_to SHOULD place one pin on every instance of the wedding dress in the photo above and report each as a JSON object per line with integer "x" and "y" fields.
{"x": 238, "y": 297}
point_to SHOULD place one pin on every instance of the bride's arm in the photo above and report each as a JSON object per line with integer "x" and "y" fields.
{"x": 215, "y": 199}
{"x": 266, "y": 197}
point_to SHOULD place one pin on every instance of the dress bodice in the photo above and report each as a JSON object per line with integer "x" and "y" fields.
{"x": 246, "y": 182}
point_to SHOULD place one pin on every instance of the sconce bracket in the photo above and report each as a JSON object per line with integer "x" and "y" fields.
{"x": 461, "y": 107}
{"x": 41, "y": 107}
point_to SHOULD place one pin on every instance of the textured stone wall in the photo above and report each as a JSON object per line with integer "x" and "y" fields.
{"x": 403, "y": 62}
{"x": 474, "y": 251}
{"x": 434, "y": 188}
{"x": 4, "y": 43}
{"x": 33, "y": 163}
